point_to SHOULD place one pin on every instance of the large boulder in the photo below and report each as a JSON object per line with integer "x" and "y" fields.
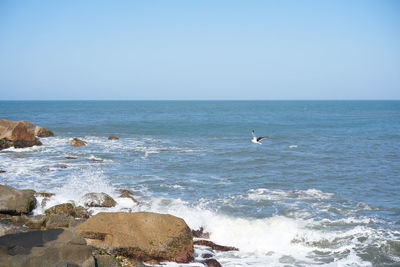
{"x": 45, "y": 248}
{"x": 20, "y": 134}
{"x": 98, "y": 200}
{"x": 145, "y": 236}
{"x": 13, "y": 201}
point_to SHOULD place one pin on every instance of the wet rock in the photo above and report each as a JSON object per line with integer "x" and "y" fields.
{"x": 69, "y": 209}
{"x": 35, "y": 222}
{"x": 212, "y": 263}
{"x": 71, "y": 157}
{"x": 207, "y": 255}
{"x": 127, "y": 194}
{"x": 214, "y": 246}
{"x": 144, "y": 236}
{"x": 44, "y": 194}
{"x": 106, "y": 261}
{"x": 17, "y": 134}
{"x": 59, "y": 220}
{"x": 78, "y": 142}
{"x": 2, "y": 171}
{"x": 112, "y": 137}
{"x": 55, "y": 247}
{"x": 98, "y": 200}
{"x": 13, "y": 201}
{"x": 200, "y": 233}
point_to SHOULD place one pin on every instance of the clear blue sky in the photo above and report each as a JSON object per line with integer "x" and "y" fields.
{"x": 199, "y": 49}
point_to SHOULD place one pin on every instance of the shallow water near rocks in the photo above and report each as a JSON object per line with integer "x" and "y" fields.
{"x": 322, "y": 190}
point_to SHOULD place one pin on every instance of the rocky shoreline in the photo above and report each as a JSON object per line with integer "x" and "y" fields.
{"x": 70, "y": 235}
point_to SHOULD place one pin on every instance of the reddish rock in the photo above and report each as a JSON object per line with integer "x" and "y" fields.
{"x": 78, "y": 142}
{"x": 112, "y": 137}
{"x": 20, "y": 134}
{"x": 214, "y": 246}
{"x": 212, "y": 263}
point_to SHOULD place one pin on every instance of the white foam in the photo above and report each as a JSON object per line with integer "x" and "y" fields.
{"x": 277, "y": 194}
{"x": 292, "y": 146}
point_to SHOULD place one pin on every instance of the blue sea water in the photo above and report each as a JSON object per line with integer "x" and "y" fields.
{"x": 323, "y": 189}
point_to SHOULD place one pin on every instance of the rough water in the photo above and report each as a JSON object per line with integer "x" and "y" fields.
{"x": 323, "y": 189}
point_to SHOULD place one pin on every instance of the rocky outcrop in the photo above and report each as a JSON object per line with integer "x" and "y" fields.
{"x": 68, "y": 209}
{"x": 13, "y": 201}
{"x": 78, "y": 142}
{"x": 144, "y": 236}
{"x": 112, "y": 137}
{"x": 98, "y": 200}
{"x": 55, "y": 247}
{"x": 20, "y": 134}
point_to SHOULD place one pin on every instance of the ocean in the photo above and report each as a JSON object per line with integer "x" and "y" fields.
{"x": 323, "y": 189}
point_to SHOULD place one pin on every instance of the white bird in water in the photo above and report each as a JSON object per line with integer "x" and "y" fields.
{"x": 256, "y": 140}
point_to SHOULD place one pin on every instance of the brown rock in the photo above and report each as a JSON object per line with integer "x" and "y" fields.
{"x": 128, "y": 194}
{"x": 2, "y": 171}
{"x": 37, "y": 130}
{"x": 13, "y": 201}
{"x": 98, "y": 200}
{"x": 214, "y": 246}
{"x": 200, "y": 233}
{"x": 112, "y": 137}
{"x": 69, "y": 209}
{"x": 144, "y": 236}
{"x": 212, "y": 263}
{"x": 44, "y": 194}
{"x": 16, "y": 134}
{"x": 78, "y": 142}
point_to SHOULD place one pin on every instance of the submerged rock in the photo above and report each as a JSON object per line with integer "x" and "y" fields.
{"x": 55, "y": 247}
{"x": 112, "y": 137}
{"x": 144, "y": 236}
{"x": 78, "y": 142}
{"x": 13, "y": 201}
{"x": 98, "y": 200}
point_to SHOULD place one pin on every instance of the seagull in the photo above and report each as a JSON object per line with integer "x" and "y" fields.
{"x": 256, "y": 140}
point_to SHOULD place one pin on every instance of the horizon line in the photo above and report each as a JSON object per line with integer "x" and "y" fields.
{"x": 182, "y": 100}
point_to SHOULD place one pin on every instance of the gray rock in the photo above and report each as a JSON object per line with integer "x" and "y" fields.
{"x": 13, "y": 201}
{"x": 55, "y": 247}
{"x": 105, "y": 261}
{"x": 98, "y": 200}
